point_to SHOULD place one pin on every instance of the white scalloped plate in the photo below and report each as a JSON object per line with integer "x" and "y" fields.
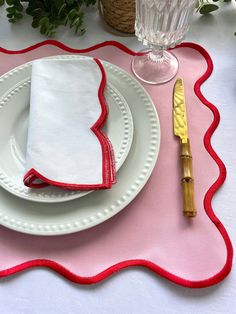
{"x": 14, "y": 112}
{"x": 85, "y": 212}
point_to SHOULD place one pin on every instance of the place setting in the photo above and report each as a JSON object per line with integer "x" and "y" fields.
{"x": 104, "y": 163}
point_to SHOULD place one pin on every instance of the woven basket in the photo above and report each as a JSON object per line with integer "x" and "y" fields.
{"x": 120, "y": 14}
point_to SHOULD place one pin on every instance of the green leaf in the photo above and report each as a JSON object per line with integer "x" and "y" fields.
{"x": 19, "y": 7}
{"x": 65, "y": 21}
{"x": 59, "y": 3}
{"x": 10, "y": 15}
{"x": 72, "y": 14}
{"x": 18, "y": 15}
{"x": 50, "y": 33}
{"x": 35, "y": 23}
{"x": 10, "y": 2}
{"x": 2, "y": 2}
{"x": 37, "y": 12}
{"x": 89, "y": 2}
{"x": 44, "y": 21}
{"x": 29, "y": 10}
{"x": 61, "y": 9}
{"x": 69, "y": 2}
{"x": 11, "y": 10}
{"x": 82, "y": 31}
{"x": 74, "y": 22}
{"x": 43, "y": 29}
{"x": 12, "y": 20}
{"x": 78, "y": 26}
{"x": 208, "y": 8}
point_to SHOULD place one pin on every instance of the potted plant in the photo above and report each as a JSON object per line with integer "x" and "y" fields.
{"x": 48, "y": 15}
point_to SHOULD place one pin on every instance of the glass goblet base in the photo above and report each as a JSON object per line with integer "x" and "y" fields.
{"x": 155, "y": 67}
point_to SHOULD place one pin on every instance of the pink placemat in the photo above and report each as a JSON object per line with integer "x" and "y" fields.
{"x": 151, "y": 231}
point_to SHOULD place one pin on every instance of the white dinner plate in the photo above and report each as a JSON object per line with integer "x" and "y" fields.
{"x": 85, "y": 212}
{"x": 14, "y": 113}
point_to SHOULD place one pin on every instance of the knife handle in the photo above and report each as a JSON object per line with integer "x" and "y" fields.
{"x": 187, "y": 180}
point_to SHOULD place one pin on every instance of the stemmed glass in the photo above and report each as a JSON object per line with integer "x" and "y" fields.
{"x": 160, "y": 24}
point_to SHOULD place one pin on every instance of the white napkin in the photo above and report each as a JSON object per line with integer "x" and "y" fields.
{"x": 66, "y": 146}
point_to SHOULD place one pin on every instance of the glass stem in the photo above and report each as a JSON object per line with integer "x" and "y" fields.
{"x": 157, "y": 54}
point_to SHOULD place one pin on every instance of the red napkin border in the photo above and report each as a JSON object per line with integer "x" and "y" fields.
{"x": 207, "y": 200}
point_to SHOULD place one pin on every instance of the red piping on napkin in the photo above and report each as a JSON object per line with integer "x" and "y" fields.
{"x": 108, "y": 164}
{"x": 207, "y": 200}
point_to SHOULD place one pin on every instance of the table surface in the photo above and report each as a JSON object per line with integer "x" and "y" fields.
{"x": 137, "y": 290}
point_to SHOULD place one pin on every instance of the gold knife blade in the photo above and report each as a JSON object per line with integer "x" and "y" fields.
{"x": 181, "y": 130}
{"x": 179, "y": 111}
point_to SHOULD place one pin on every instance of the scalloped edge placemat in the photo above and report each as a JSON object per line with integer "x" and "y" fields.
{"x": 17, "y": 240}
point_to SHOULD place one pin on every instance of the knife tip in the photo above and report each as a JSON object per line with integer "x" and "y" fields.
{"x": 179, "y": 81}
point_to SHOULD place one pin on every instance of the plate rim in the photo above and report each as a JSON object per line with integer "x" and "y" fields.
{"x": 75, "y": 226}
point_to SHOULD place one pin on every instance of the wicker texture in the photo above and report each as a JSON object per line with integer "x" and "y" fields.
{"x": 119, "y": 14}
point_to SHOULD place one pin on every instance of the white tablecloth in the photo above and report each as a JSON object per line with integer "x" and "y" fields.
{"x": 137, "y": 290}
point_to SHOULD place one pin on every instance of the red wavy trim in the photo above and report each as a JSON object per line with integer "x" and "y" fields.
{"x": 108, "y": 170}
{"x": 207, "y": 201}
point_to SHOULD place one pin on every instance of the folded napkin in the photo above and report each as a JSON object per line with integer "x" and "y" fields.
{"x": 66, "y": 147}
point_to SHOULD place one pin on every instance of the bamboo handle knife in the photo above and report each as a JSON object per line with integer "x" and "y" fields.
{"x": 181, "y": 130}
